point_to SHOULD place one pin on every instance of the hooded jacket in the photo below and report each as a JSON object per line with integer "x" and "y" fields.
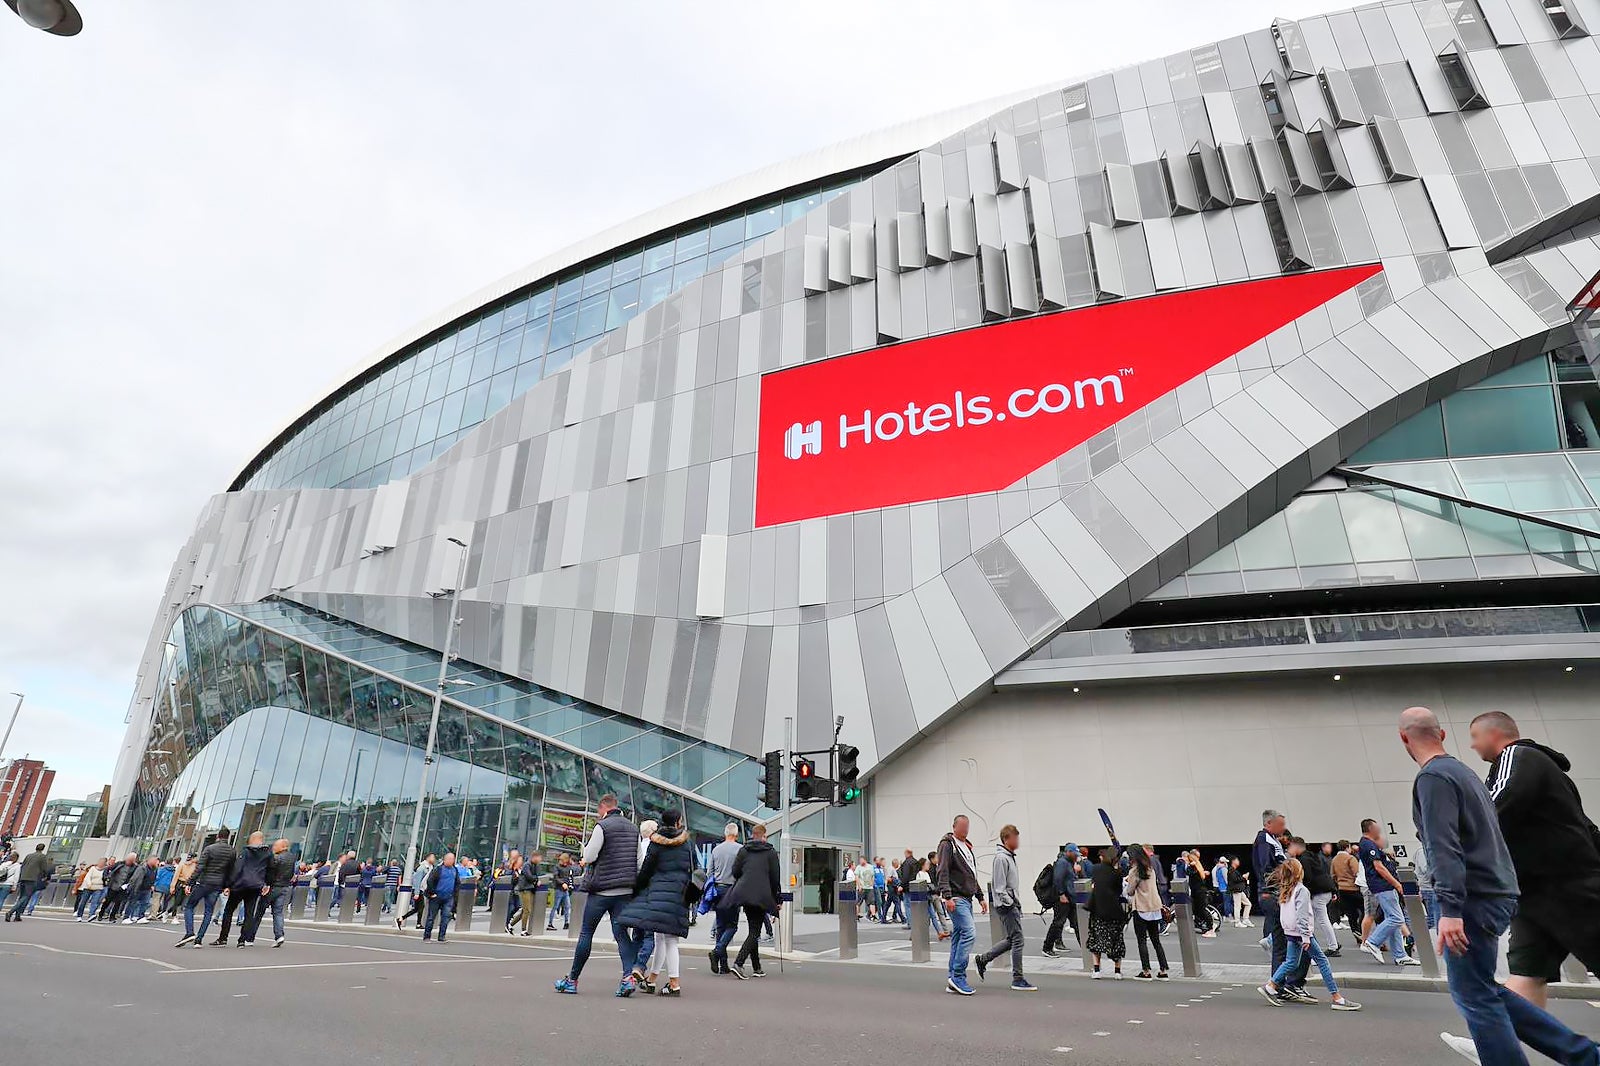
{"x": 250, "y": 868}
{"x": 1005, "y": 884}
{"x": 957, "y": 878}
{"x": 755, "y": 879}
{"x": 659, "y": 903}
{"x": 1552, "y": 840}
{"x": 141, "y": 880}
{"x": 118, "y": 876}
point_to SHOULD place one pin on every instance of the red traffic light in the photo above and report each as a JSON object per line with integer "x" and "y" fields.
{"x": 804, "y": 769}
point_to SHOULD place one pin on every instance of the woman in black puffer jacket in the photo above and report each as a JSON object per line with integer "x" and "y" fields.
{"x": 661, "y": 899}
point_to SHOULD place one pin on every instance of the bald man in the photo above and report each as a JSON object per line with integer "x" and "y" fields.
{"x": 1477, "y": 891}
{"x": 247, "y": 889}
{"x": 280, "y": 879}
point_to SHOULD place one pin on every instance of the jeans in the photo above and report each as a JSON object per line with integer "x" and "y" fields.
{"x": 1144, "y": 929}
{"x": 961, "y": 937}
{"x": 5, "y": 890}
{"x": 443, "y": 908}
{"x": 1430, "y": 907}
{"x": 25, "y": 891}
{"x": 1321, "y": 923}
{"x": 93, "y": 905}
{"x": 750, "y": 951}
{"x": 1273, "y": 928}
{"x": 893, "y": 910}
{"x": 644, "y": 950}
{"x": 1387, "y": 932}
{"x": 139, "y": 906}
{"x": 1293, "y": 961}
{"x": 278, "y": 903}
{"x": 1059, "y": 914}
{"x": 562, "y": 905}
{"x": 254, "y": 906}
{"x": 1011, "y": 922}
{"x": 599, "y": 907}
{"x": 38, "y": 893}
{"x": 1499, "y": 1020}
{"x": 726, "y": 929}
{"x": 206, "y": 894}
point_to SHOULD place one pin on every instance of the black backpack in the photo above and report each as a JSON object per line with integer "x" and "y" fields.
{"x": 1044, "y": 887}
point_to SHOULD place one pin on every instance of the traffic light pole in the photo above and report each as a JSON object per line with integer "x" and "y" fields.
{"x": 786, "y": 914}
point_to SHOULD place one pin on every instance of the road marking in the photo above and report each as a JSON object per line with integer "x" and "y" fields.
{"x": 1180, "y": 1004}
{"x": 1164, "y": 1013}
{"x": 1134, "y": 1021}
{"x": 438, "y": 982}
{"x": 241, "y": 995}
{"x": 1102, "y": 1034}
{"x": 89, "y": 954}
{"x": 1061, "y": 1050}
{"x": 122, "y": 1004}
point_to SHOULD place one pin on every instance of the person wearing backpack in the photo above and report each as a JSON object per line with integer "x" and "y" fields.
{"x": 1053, "y": 889}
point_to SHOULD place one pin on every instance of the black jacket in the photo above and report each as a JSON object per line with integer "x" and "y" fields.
{"x": 755, "y": 879}
{"x": 348, "y": 869}
{"x": 659, "y": 903}
{"x": 280, "y": 870}
{"x": 1552, "y": 840}
{"x": 250, "y": 868}
{"x": 1105, "y": 893}
{"x": 954, "y": 878}
{"x": 141, "y": 879}
{"x": 1319, "y": 876}
{"x": 118, "y": 876}
{"x": 215, "y": 865}
{"x": 527, "y": 877}
{"x": 908, "y": 871}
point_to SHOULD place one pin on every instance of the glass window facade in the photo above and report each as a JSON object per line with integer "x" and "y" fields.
{"x": 400, "y": 416}
{"x": 268, "y": 724}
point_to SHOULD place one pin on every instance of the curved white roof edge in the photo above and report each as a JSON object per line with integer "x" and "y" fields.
{"x": 869, "y": 148}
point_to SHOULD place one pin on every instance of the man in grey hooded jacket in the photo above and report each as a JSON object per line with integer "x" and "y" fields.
{"x": 1005, "y": 894}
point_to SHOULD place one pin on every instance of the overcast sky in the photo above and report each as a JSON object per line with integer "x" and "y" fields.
{"x": 210, "y": 211}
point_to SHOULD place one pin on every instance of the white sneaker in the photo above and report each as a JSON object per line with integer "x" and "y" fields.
{"x": 1095, "y": 974}
{"x": 1461, "y": 1046}
{"x": 78, "y": 919}
{"x": 1116, "y": 975}
{"x": 127, "y": 921}
{"x": 1370, "y": 949}
{"x": 1408, "y": 961}
{"x": 142, "y": 921}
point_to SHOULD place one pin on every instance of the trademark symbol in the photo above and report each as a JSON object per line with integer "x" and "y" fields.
{"x": 1126, "y": 371}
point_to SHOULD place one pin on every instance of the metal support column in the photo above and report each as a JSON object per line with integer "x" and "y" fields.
{"x": 1080, "y": 900}
{"x": 1188, "y": 943}
{"x": 580, "y": 900}
{"x": 921, "y": 925}
{"x": 1417, "y": 919}
{"x": 848, "y": 934}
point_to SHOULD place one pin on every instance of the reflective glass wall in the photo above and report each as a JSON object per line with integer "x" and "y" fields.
{"x": 255, "y": 730}
{"x": 402, "y": 416}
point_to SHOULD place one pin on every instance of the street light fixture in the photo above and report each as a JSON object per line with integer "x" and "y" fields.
{"x": 52, "y": 16}
{"x": 438, "y": 699}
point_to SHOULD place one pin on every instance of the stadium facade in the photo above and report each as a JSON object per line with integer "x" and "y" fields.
{"x": 1143, "y": 443}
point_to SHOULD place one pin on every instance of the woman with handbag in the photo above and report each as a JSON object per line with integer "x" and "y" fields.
{"x": 1144, "y": 896}
{"x": 1107, "y": 914}
{"x": 663, "y": 894}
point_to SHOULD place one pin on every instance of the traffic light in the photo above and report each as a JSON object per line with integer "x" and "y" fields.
{"x": 848, "y": 772}
{"x": 808, "y": 788}
{"x": 771, "y": 780}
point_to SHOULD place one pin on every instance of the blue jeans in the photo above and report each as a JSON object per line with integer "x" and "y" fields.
{"x": 596, "y": 908}
{"x": 5, "y": 890}
{"x": 645, "y": 951}
{"x": 1387, "y": 932}
{"x": 25, "y": 891}
{"x": 89, "y": 902}
{"x": 895, "y": 909}
{"x": 278, "y": 900}
{"x": 1430, "y": 907}
{"x": 727, "y": 929}
{"x": 1291, "y": 963}
{"x": 1499, "y": 1020}
{"x": 562, "y": 906}
{"x": 961, "y": 938}
{"x": 206, "y": 894}
{"x": 38, "y": 893}
{"x": 442, "y": 908}
{"x": 140, "y": 905}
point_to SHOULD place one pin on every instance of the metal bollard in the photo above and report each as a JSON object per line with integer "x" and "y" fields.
{"x": 576, "y": 905}
{"x": 1080, "y": 900}
{"x": 848, "y": 935}
{"x": 541, "y": 906}
{"x": 324, "y": 899}
{"x": 466, "y": 896}
{"x": 374, "y": 913}
{"x": 1188, "y": 943}
{"x": 499, "y": 903}
{"x": 1417, "y": 919}
{"x": 347, "y": 902}
{"x": 921, "y": 926}
{"x": 297, "y": 900}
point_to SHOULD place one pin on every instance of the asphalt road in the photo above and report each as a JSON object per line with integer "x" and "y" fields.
{"x": 74, "y": 993}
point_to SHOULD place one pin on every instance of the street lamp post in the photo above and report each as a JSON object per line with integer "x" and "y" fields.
{"x": 9, "y": 726}
{"x": 438, "y": 698}
{"x": 52, "y": 16}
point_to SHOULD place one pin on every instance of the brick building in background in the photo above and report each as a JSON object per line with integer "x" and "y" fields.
{"x": 24, "y": 788}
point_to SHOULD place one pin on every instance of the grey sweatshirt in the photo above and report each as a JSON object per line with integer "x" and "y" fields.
{"x": 1458, "y": 826}
{"x": 1004, "y": 884}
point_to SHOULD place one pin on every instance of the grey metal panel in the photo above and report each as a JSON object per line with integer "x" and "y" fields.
{"x": 911, "y": 249}
{"x": 965, "y": 662}
{"x": 1106, "y": 262}
{"x": 863, "y": 264}
{"x": 1205, "y": 166}
{"x": 1007, "y": 162}
{"x": 1020, "y": 277}
{"x": 1123, "y": 194}
{"x": 1183, "y": 197}
{"x": 1269, "y": 164}
{"x": 838, "y": 256}
{"x": 1340, "y": 92}
{"x": 1240, "y": 168}
{"x": 1393, "y": 153}
{"x": 963, "y": 229}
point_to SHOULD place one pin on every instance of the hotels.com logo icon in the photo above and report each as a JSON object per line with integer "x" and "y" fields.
{"x": 899, "y": 424}
{"x": 959, "y": 412}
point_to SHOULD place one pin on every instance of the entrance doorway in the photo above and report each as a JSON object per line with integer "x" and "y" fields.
{"x": 820, "y": 869}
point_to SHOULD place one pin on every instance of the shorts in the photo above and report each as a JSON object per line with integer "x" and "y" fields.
{"x": 1543, "y": 936}
{"x": 1369, "y": 903}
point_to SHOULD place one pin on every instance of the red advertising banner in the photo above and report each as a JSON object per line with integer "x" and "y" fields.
{"x": 977, "y": 410}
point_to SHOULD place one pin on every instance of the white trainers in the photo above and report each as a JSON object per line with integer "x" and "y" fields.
{"x": 1408, "y": 961}
{"x": 1371, "y": 949}
{"x": 1461, "y": 1046}
{"x": 1095, "y": 974}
